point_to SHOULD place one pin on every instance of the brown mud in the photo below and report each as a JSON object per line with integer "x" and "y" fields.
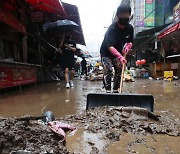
{"x": 100, "y": 130}
{"x": 34, "y": 138}
{"x": 96, "y": 133}
{"x": 116, "y": 130}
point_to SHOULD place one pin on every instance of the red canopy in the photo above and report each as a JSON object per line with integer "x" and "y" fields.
{"x": 10, "y": 20}
{"x": 168, "y": 30}
{"x": 52, "y": 6}
{"x": 9, "y": 5}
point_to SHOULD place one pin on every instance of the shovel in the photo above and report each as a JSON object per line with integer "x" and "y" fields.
{"x": 119, "y": 99}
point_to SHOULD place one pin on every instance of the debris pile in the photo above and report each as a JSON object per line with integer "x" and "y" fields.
{"x": 37, "y": 138}
{"x": 112, "y": 121}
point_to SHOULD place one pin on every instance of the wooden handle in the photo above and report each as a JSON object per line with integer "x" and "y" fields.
{"x": 122, "y": 77}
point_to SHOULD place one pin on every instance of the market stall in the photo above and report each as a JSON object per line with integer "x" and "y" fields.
{"x": 169, "y": 37}
{"x": 14, "y": 69}
{"x": 17, "y": 73}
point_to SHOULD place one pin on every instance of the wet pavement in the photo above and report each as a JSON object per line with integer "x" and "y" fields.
{"x": 51, "y": 96}
{"x": 55, "y": 97}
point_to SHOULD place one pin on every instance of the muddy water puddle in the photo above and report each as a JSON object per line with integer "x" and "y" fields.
{"x": 151, "y": 144}
{"x": 86, "y": 142}
{"x": 130, "y": 134}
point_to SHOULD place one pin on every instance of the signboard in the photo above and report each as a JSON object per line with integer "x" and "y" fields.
{"x": 15, "y": 76}
{"x": 10, "y": 20}
{"x": 149, "y": 13}
{"x": 159, "y": 13}
{"x": 168, "y": 11}
{"x": 140, "y": 13}
{"x": 140, "y": 23}
{"x": 176, "y": 11}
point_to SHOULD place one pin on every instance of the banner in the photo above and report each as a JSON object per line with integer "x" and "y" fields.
{"x": 15, "y": 76}
{"x": 149, "y": 13}
{"x": 176, "y": 11}
{"x": 140, "y": 13}
{"x": 159, "y": 13}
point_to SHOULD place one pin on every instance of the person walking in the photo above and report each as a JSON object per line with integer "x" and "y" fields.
{"x": 84, "y": 66}
{"x": 118, "y": 34}
{"x": 69, "y": 49}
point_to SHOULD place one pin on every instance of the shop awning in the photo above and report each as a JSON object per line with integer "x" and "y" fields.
{"x": 145, "y": 37}
{"x": 13, "y": 22}
{"x": 72, "y": 13}
{"x": 169, "y": 29}
{"x": 9, "y": 5}
{"x": 51, "y": 6}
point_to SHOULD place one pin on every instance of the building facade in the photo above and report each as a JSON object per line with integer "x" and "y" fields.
{"x": 148, "y": 14}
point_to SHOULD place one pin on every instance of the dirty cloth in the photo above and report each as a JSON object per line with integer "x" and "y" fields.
{"x": 60, "y": 128}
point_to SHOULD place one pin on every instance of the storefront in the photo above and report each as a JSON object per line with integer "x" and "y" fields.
{"x": 170, "y": 40}
{"x": 24, "y": 47}
{"x": 14, "y": 69}
{"x": 147, "y": 47}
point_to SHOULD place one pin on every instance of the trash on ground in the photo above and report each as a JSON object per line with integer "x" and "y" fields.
{"x": 60, "y": 128}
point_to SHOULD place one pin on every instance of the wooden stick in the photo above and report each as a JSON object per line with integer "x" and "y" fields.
{"x": 122, "y": 76}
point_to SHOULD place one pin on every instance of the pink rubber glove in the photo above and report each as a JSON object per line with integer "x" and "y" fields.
{"x": 127, "y": 47}
{"x": 122, "y": 60}
{"x": 116, "y": 54}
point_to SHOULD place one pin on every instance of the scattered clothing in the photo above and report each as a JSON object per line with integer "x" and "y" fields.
{"x": 60, "y": 128}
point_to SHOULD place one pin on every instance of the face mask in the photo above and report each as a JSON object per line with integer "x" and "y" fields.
{"x": 123, "y": 21}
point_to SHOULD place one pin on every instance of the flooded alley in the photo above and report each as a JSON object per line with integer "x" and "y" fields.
{"x": 55, "y": 97}
{"x": 92, "y": 136}
{"x": 89, "y": 76}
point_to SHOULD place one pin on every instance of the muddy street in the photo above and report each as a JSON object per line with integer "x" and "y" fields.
{"x": 89, "y": 77}
{"x": 98, "y": 130}
{"x": 48, "y": 96}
